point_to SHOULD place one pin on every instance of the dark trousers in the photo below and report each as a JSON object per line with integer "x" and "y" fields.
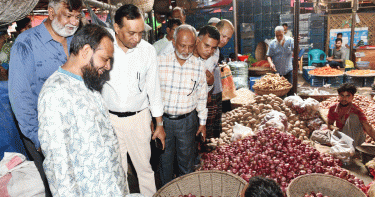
{"x": 38, "y": 158}
{"x": 334, "y": 64}
{"x": 289, "y": 77}
{"x": 179, "y": 144}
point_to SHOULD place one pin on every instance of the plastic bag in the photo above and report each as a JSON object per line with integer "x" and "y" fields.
{"x": 342, "y": 148}
{"x": 240, "y": 132}
{"x": 229, "y": 89}
{"x": 321, "y": 136}
{"x": 276, "y": 120}
{"x": 295, "y": 102}
{"x": 311, "y": 105}
{"x": 315, "y": 124}
{"x": 19, "y": 177}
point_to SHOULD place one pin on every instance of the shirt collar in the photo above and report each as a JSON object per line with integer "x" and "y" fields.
{"x": 70, "y": 74}
{"x": 129, "y": 50}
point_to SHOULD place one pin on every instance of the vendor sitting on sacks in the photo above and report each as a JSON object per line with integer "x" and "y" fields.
{"x": 349, "y": 118}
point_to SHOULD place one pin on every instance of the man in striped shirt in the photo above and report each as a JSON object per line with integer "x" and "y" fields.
{"x": 184, "y": 93}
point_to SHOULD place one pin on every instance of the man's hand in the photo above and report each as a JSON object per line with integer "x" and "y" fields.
{"x": 329, "y": 59}
{"x": 210, "y": 78}
{"x": 272, "y": 66}
{"x": 39, "y": 149}
{"x": 299, "y": 39}
{"x": 202, "y": 129}
{"x": 159, "y": 133}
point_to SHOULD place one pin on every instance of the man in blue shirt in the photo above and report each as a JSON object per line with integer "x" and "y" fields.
{"x": 35, "y": 55}
{"x": 280, "y": 53}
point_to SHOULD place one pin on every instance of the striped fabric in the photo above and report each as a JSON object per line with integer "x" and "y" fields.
{"x": 183, "y": 88}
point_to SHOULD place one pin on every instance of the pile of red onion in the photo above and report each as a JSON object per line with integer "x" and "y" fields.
{"x": 276, "y": 155}
{"x": 315, "y": 195}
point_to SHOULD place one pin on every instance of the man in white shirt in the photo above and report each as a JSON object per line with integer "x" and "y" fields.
{"x": 286, "y": 31}
{"x": 172, "y": 24}
{"x": 133, "y": 90}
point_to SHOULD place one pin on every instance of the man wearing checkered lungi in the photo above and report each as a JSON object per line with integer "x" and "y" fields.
{"x": 214, "y": 103}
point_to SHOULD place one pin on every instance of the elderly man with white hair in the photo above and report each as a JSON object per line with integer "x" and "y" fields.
{"x": 280, "y": 52}
{"x": 184, "y": 92}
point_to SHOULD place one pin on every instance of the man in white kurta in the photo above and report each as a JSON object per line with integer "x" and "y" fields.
{"x": 77, "y": 139}
{"x": 172, "y": 24}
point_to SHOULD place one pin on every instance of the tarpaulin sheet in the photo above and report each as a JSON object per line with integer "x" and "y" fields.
{"x": 10, "y": 140}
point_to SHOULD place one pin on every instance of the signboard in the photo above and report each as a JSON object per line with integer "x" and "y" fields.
{"x": 360, "y": 34}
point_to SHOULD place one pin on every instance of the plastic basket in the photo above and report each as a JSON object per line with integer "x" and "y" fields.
{"x": 335, "y": 81}
{"x": 316, "y": 81}
{"x": 363, "y": 64}
{"x": 281, "y": 92}
{"x": 326, "y": 184}
{"x": 252, "y": 81}
{"x": 356, "y": 81}
{"x": 204, "y": 183}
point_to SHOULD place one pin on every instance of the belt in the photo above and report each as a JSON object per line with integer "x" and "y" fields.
{"x": 124, "y": 114}
{"x": 177, "y": 117}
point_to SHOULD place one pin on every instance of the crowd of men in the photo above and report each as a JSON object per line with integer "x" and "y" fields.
{"x": 84, "y": 98}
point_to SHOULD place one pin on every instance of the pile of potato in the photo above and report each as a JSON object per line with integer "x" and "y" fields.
{"x": 252, "y": 114}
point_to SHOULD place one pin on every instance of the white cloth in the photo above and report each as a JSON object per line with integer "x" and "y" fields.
{"x": 169, "y": 48}
{"x": 213, "y": 64}
{"x": 21, "y": 177}
{"x": 138, "y": 147}
{"x": 134, "y": 80}
{"x": 289, "y": 33}
{"x": 161, "y": 44}
{"x": 77, "y": 139}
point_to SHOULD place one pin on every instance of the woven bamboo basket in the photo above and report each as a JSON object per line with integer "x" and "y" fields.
{"x": 280, "y": 92}
{"x": 204, "y": 183}
{"x": 326, "y": 184}
{"x": 257, "y": 71}
{"x": 144, "y": 5}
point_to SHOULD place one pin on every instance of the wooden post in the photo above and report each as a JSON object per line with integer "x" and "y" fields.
{"x": 296, "y": 45}
{"x": 235, "y": 18}
{"x": 354, "y": 11}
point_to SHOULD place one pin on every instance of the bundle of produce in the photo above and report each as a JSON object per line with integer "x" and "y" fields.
{"x": 272, "y": 82}
{"x": 276, "y": 155}
{"x": 325, "y": 71}
{"x": 367, "y": 105}
{"x": 371, "y": 167}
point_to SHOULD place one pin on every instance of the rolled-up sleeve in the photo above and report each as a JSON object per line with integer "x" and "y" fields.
{"x": 202, "y": 99}
{"x": 21, "y": 83}
{"x": 153, "y": 87}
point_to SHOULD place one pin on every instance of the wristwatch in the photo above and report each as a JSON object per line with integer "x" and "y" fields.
{"x": 160, "y": 123}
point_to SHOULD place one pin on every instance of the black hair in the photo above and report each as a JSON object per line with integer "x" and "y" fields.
{"x": 211, "y": 31}
{"x": 285, "y": 24}
{"x": 129, "y": 11}
{"x": 347, "y": 87}
{"x": 260, "y": 187}
{"x": 338, "y": 39}
{"x": 173, "y": 21}
{"x": 22, "y": 23}
{"x": 338, "y": 34}
{"x": 90, "y": 34}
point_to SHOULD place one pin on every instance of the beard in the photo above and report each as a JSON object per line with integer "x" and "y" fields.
{"x": 181, "y": 56}
{"x": 61, "y": 30}
{"x": 93, "y": 80}
{"x": 343, "y": 105}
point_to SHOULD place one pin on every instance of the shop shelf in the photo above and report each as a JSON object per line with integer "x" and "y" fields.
{"x": 266, "y": 2}
{"x": 286, "y": 18}
{"x": 266, "y": 9}
{"x": 266, "y": 17}
{"x": 318, "y": 46}
{"x": 316, "y": 39}
{"x": 317, "y": 24}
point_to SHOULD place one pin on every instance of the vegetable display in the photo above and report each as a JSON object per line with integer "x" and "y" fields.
{"x": 360, "y": 72}
{"x": 367, "y": 105}
{"x": 272, "y": 82}
{"x": 276, "y": 155}
{"x": 325, "y": 71}
{"x": 302, "y": 117}
{"x": 313, "y": 194}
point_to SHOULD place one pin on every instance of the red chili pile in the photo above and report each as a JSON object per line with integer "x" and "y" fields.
{"x": 276, "y": 155}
